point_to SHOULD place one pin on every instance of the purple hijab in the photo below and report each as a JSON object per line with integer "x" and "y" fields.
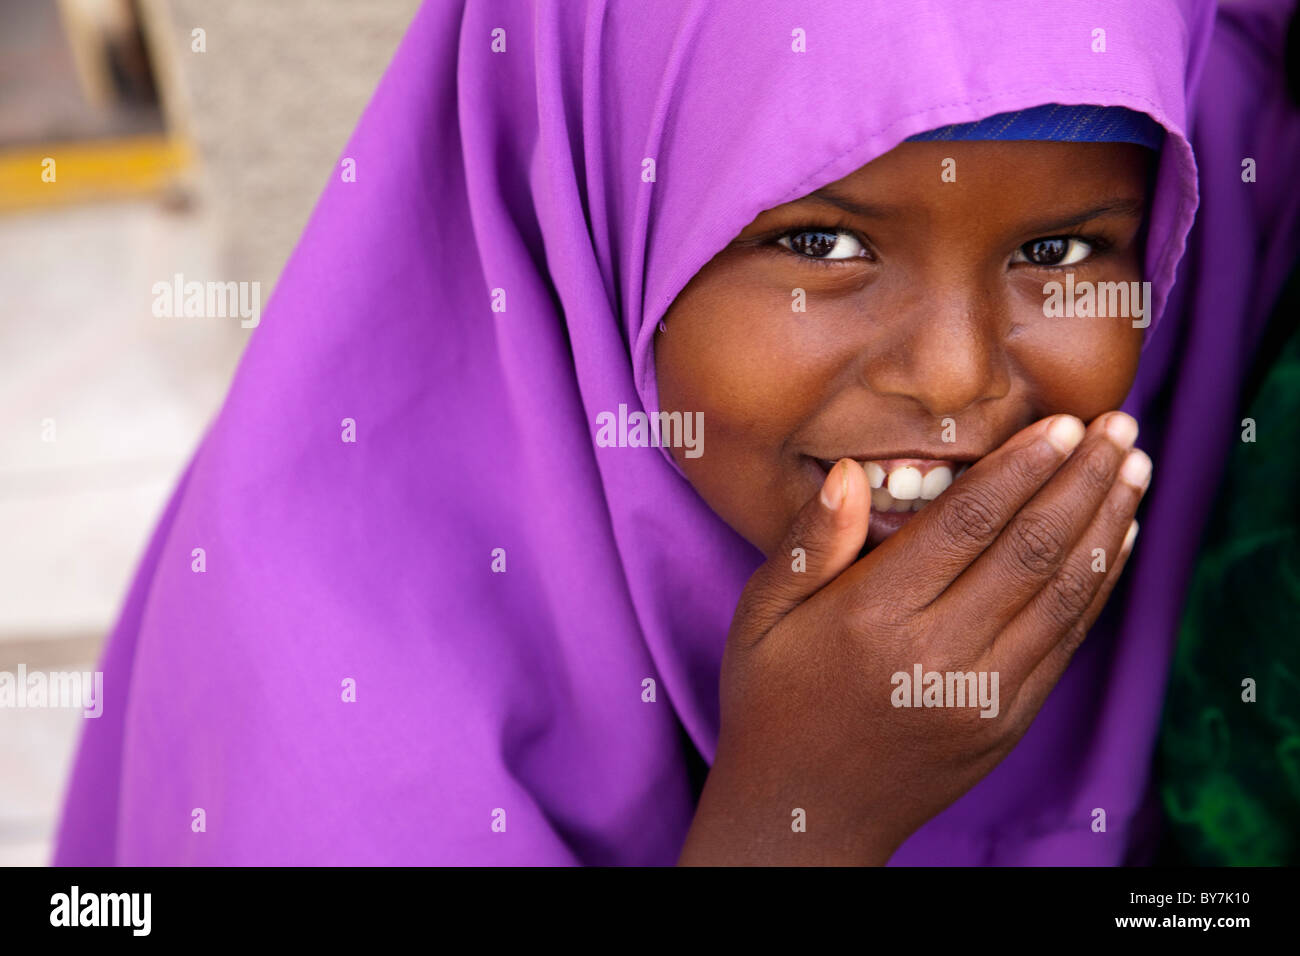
{"x": 369, "y": 563}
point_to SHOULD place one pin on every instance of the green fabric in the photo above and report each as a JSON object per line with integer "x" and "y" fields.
{"x": 1228, "y": 771}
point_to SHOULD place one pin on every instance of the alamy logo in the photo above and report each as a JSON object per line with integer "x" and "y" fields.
{"x": 102, "y": 909}
{"x": 639, "y": 430}
{"x": 55, "y": 689}
{"x": 208, "y": 300}
{"x": 949, "y": 689}
{"x": 1098, "y": 299}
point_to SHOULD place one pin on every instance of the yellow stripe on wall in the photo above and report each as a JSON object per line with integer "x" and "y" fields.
{"x": 96, "y": 169}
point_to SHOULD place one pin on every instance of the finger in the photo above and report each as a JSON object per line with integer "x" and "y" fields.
{"x": 1048, "y": 672}
{"x": 1058, "y": 613}
{"x": 941, "y": 540}
{"x": 825, "y": 538}
{"x": 1034, "y": 545}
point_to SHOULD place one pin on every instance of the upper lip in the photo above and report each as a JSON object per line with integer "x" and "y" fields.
{"x": 910, "y": 453}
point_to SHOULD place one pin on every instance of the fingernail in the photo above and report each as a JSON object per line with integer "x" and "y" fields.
{"x": 836, "y": 486}
{"x": 1065, "y": 433}
{"x": 1136, "y": 469}
{"x": 1129, "y": 537}
{"x": 1122, "y": 429}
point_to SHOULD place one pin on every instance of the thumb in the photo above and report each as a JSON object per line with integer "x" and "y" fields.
{"x": 825, "y": 537}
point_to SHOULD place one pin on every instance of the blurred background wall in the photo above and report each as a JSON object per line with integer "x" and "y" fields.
{"x": 187, "y": 136}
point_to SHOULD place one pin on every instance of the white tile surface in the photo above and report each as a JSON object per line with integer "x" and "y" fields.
{"x": 36, "y": 751}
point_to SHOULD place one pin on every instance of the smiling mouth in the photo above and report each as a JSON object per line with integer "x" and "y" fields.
{"x": 900, "y": 487}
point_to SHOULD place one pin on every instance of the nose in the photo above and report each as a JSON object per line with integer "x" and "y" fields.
{"x": 945, "y": 350}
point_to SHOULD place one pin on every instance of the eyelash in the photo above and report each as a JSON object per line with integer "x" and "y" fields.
{"x": 1098, "y": 245}
{"x": 775, "y": 243}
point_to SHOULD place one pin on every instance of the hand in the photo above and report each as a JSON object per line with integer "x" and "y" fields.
{"x": 995, "y": 576}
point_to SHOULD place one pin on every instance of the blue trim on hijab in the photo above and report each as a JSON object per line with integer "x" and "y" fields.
{"x": 1052, "y": 121}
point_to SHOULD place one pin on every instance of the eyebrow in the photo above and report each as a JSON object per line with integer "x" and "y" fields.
{"x": 862, "y": 210}
{"x": 1113, "y": 207}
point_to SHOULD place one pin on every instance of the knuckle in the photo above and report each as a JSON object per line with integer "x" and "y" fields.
{"x": 1039, "y": 540}
{"x": 949, "y": 655}
{"x": 1118, "y": 509}
{"x": 1097, "y": 471}
{"x": 968, "y": 519}
{"x": 799, "y": 534}
{"x": 882, "y": 616}
{"x": 1069, "y": 595}
{"x": 1030, "y": 469}
{"x": 1071, "y": 641}
{"x": 758, "y": 601}
{"x": 806, "y": 533}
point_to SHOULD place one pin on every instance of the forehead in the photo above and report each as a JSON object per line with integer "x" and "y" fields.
{"x": 915, "y": 178}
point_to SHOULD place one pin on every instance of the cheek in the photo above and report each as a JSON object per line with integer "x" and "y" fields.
{"x": 736, "y": 359}
{"x": 1084, "y": 366}
{"x": 730, "y": 358}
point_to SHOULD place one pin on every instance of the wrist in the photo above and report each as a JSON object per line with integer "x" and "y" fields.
{"x": 737, "y": 825}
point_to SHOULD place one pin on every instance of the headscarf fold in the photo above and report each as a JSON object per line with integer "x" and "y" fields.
{"x": 536, "y": 181}
{"x": 1052, "y": 121}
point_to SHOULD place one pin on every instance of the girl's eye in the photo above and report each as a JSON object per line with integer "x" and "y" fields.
{"x": 1056, "y": 251}
{"x": 823, "y": 244}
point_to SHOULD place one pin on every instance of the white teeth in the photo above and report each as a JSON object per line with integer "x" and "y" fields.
{"x": 934, "y": 483}
{"x": 905, "y": 483}
{"x": 905, "y": 488}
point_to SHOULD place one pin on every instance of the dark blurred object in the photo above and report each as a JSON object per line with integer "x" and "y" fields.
{"x": 74, "y": 70}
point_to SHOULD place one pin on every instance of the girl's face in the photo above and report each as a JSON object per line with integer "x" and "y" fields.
{"x": 923, "y": 333}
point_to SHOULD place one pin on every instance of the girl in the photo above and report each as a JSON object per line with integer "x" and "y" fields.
{"x": 405, "y": 608}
